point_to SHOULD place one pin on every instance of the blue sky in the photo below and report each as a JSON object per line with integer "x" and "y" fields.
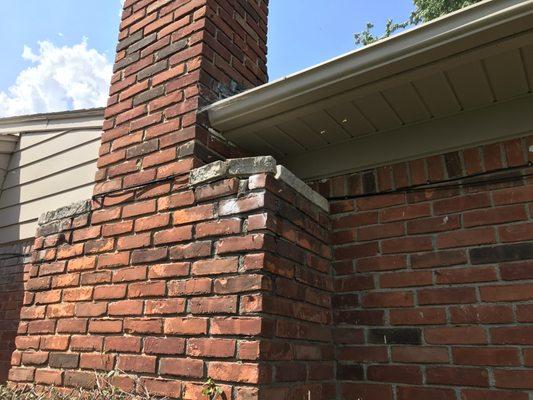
{"x": 302, "y": 33}
{"x": 25, "y": 22}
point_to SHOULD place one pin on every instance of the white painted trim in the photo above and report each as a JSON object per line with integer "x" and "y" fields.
{"x": 60, "y": 121}
{"x": 8, "y": 144}
{"x": 53, "y": 116}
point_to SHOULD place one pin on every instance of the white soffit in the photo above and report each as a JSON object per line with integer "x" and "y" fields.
{"x": 475, "y": 60}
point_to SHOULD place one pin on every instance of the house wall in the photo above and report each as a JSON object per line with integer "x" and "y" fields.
{"x": 187, "y": 266}
{"x": 433, "y": 286}
{"x": 48, "y": 169}
{"x": 53, "y": 164}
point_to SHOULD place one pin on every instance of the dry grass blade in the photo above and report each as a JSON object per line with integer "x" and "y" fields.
{"x": 103, "y": 390}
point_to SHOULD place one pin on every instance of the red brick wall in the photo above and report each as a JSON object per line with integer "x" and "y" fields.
{"x": 13, "y": 265}
{"x": 434, "y": 287}
{"x": 298, "y": 349}
{"x": 229, "y": 280}
{"x": 403, "y": 292}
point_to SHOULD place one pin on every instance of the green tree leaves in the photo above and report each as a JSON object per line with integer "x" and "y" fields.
{"x": 425, "y": 10}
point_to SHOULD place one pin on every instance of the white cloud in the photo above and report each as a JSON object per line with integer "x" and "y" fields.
{"x": 62, "y": 78}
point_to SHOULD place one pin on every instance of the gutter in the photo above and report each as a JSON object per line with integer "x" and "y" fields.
{"x": 326, "y": 79}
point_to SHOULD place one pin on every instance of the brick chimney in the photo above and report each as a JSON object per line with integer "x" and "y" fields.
{"x": 173, "y": 58}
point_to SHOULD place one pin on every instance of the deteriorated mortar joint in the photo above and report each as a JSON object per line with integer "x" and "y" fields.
{"x": 241, "y": 167}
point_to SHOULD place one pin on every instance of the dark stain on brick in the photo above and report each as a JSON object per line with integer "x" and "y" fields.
{"x": 369, "y": 182}
{"x": 350, "y": 372}
{"x": 171, "y": 49}
{"x": 355, "y": 186}
{"x": 142, "y": 43}
{"x": 495, "y": 254}
{"x": 130, "y": 59}
{"x": 453, "y": 165}
{"x": 64, "y": 360}
{"x": 152, "y": 70}
{"x": 395, "y": 336}
{"x": 143, "y": 148}
{"x": 148, "y": 95}
{"x": 130, "y": 39}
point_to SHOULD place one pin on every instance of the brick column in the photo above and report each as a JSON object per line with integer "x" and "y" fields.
{"x": 173, "y": 58}
{"x": 173, "y": 279}
{"x": 178, "y": 271}
{"x": 227, "y": 278}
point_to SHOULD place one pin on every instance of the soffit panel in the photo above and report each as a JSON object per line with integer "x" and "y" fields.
{"x": 475, "y": 80}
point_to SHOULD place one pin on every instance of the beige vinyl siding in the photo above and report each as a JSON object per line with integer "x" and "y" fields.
{"x": 48, "y": 169}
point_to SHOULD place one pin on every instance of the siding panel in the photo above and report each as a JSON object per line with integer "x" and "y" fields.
{"x": 48, "y": 169}
{"x": 83, "y": 154}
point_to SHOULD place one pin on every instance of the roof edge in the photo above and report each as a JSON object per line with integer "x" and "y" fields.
{"x": 53, "y": 116}
{"x": 225, "y": 114}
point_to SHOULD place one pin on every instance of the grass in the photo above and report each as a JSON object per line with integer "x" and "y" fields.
{"x": 103, "y": 390}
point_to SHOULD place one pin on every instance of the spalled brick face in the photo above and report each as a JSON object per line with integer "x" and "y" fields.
{"x": 433, "y": 287}
{"x": 229, "y": 280}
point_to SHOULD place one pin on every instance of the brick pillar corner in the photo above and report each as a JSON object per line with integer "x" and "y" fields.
{"x": 230, "y": 279}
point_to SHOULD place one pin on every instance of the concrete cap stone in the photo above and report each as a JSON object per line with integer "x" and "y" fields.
{"x": 70, "y": 211}
{"x": 251, "y": 166}
{"x": 248, "y": 166}
{"x": 210, "y": 172}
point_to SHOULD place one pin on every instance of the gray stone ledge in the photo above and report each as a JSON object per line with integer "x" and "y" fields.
{"x": 233, "y": 167}
{"x": 242, "y": 167}
{"x": 286, "y": 176}
{"x": 207, "y": 173}
{"x": 75, "y": 209}
{"x": 251, "y": 166}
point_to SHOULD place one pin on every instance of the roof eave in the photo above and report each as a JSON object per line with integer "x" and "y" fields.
{"x": 53, "y": 116}
{"x": 311, "y": 84}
